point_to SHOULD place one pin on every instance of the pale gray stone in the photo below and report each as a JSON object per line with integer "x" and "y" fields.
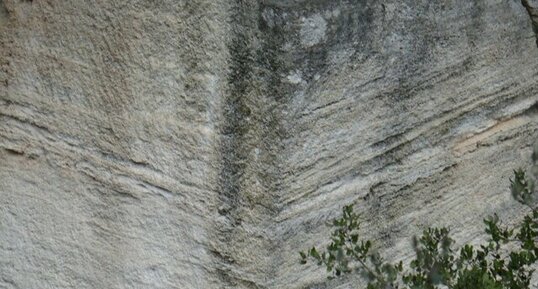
{"x": 313, "y": 30}
{"x": 203, "y": 143}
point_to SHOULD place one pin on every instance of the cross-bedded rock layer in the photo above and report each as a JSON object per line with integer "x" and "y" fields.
{"x": 201, "y": 144}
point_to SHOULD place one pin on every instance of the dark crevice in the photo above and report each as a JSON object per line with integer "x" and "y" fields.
{"x": 533, "y": 14}
{"x": 26, "y": 121}
{"x": 125, "y": 194}
{"x": 14, "y": 151}
{"x": 532, "y": 110}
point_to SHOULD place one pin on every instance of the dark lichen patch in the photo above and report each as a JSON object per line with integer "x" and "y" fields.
{"x": 4, "y": 13}
{"x": 339, "y": 25}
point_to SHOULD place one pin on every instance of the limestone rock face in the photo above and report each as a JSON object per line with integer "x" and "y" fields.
{"x": 203, "y": 143}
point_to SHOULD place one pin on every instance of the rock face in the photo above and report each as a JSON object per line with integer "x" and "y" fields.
{"x": 203, "y": 143}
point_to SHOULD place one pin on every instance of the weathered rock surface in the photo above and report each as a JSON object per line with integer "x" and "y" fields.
{"x": 201, "y": 144}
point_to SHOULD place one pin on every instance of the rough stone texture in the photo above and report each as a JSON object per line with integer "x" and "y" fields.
{"x": 202, "y": 143}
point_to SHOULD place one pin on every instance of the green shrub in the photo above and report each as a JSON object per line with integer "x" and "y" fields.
{"x": 503, "y": 262}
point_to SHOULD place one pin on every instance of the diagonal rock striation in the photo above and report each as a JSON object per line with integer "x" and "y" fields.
{"x": 202, "y": 144}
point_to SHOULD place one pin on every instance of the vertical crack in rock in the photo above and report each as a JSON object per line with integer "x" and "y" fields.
{"x": 533, "y": 14}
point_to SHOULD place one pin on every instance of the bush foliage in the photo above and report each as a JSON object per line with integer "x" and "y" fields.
{"x": 503, "y": 262}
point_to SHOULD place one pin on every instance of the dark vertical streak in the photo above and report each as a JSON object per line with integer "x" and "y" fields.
{"x": 252, "y": 125}
{"x": 234, "y": 136}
